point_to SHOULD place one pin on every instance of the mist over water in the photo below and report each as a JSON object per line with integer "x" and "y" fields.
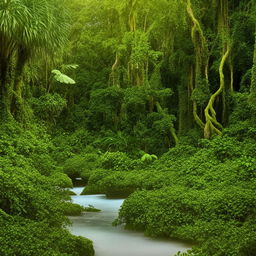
{"x": 116, "y": 241}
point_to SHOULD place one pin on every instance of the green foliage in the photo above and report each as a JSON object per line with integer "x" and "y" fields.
{"x": 204, "y": 194}
{"x": 62, "y": 78}
{"x": 164, "y": 123}
{"x": 135, "y": 99}
{"x": 106, "y": 102}
{"x": 122, "y": 184}
{"x": 201, "y": 93}
{"x": 117, "y": 161}
{"x": 81, "y": 165}
{"x": 148, "y": 158}
{"x": 72, "y": 209}
{"x": 223, "y": 148}
{"x": 139, "y": 77}
{"x": 155, "y": 79}
{"x": 140, "y": 48}
{"x": 44, "y": 33}
{"x": 202, "y": 216}
{"x": 94, "y": 182}
{"x": 112, "y": 141}
{"x": 67, "y": 144}
{"x": 61, "y": 180}
{"x": 243, "y": 32}
{"x": 27, "y": 29}
{"x": 30, "y": 195}
{"x": 241, "y": 109}
{"x": 32, "y": 198}
{"x": 19, "y": 236}
{"x": 24, "y": 147}
{"x": 49, "y": 106}
{"x": 91, "y": 208}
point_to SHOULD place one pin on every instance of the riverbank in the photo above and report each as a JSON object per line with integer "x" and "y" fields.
{"x": 116, "y": 241}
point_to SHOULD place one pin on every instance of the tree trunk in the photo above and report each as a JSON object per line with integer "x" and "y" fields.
{"x": 185, "y": 108}
{"x": 252, "y": 96}
{"x": 17, "y": 100}
{"x": 114, "y": 76}
{"x": 6, "y": 86}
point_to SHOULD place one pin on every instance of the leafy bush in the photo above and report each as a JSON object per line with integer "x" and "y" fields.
{"x": 67, "y": 144}
{"x": 122, "y": 184}
{"x": 71, "y": 209}
{"x": 81, "y": 165}
{"x": 49, "y": 106}
{"x": 32, "y": 198}
{"x": 241, "y": 109}
{"x": 23, "y": 147}
{"x": 117, "y": 161}
{"x": 94, "y": 182}
{"x": 20, "y": 236}
{"x": 148, "y": 158}
{"x": 201, "y": 216}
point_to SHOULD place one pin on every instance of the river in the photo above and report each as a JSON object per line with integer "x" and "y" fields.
{"x": 116, "y": 241}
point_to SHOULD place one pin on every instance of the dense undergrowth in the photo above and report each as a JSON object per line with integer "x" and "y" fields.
{"x": 201, "y": 191}
{"x": 33, "y": 201}
{"x": 121, "y": 94}
{"x": 208, "y": 197}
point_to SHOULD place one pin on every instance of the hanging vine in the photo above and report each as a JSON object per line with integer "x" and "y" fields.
{"x": 201, "y": 59}
{"x": 212, "y": 125}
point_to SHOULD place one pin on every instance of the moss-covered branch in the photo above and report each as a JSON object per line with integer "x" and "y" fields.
{"x": 201, "y": 56}
{"x": 114, "y": 76}
{"x": 212, "y": 126}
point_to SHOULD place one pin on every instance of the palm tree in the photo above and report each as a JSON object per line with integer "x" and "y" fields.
{"x": 27, "y": 27}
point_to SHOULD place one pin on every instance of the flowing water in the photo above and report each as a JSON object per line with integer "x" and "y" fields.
{"x": 116, "y": 241}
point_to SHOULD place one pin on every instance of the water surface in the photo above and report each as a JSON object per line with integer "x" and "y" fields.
{"x": 116, "y": 241}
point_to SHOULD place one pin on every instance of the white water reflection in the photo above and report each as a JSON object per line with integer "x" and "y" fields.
{"x": 115, "y": 241}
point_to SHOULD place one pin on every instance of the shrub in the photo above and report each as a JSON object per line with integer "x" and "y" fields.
{"x": 49, "y": 106}
{"x": 81, "y": 165}
{"x": 215, "y": 218}
{"x": 19, "y": 236}
{"x": 71, "y": 209}
{"x": 117, "y": 161}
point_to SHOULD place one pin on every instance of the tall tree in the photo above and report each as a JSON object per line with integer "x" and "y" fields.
{"x": 27, "y": 27}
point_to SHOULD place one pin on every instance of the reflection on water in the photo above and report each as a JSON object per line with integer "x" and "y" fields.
{"x": 115, "y": 241}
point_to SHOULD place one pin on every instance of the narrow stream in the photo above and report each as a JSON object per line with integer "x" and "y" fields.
{"x": 116, "y": 241}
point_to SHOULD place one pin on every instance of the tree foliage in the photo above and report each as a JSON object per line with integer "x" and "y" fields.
{"x": 155, "y": 99}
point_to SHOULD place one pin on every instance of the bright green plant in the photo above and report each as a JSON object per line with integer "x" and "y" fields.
{"x": 62, "y": 78}
{"x": 148, "y": 158}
